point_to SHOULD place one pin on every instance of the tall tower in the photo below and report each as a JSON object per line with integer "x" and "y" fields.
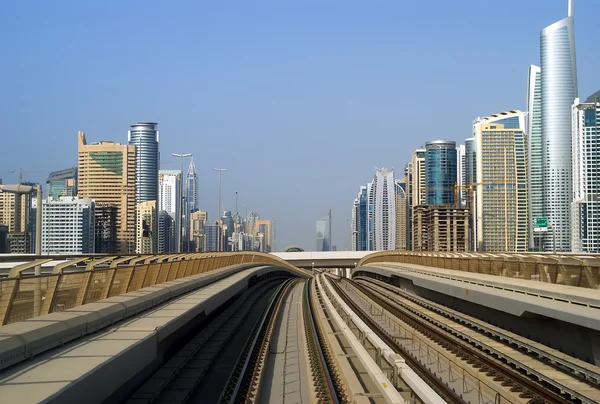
{"x": 440, "y": 172}
{"x": 586, "y": 182}
{"x": 382, "y": 211}
{"x": 170, "y": 202}
{"x": 559, "y": 90}
{"x": 533, "y": 130}
{"x": 144, "y": 136}
{"x": 106, "y": 173}
{"x": 501, "y": 190}
{"x": 192, "y": 187}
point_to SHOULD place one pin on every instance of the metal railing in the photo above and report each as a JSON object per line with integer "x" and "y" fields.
{"x": 580, "y": 270}
{"x": 23, "y": 297}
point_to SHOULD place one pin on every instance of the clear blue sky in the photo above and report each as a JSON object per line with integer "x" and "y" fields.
{"x": 298, "y": 99}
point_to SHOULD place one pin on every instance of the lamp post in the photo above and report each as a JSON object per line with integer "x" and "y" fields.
{"x": 24, "y": 190}
{"x": 220, "y": 171}
{"x": 181, "y": 214}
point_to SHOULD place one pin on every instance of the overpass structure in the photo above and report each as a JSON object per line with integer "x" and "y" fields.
{"x": 323, "y": 259}
{"x": 415, "y": 327}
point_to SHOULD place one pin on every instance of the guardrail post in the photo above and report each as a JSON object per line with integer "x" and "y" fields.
{"x": 7, "y": 298}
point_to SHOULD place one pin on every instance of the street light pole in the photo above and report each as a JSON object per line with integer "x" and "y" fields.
{"x": 220, "y": 171}
{"x": 181, "y": 214}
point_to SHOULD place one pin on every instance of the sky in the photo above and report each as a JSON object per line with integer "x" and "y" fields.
{"x": 298, "y": 99}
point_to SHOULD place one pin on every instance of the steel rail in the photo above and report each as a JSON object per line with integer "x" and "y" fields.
{"x": 327, "y": 393}
{"x": 564, "y": 365}
{"x": 466, "y": 352}
{"x": 436, "y": 384}
{"x": 237, "y": 386}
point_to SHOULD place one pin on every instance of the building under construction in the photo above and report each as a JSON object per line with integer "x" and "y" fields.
{"x": 440, "y": 228}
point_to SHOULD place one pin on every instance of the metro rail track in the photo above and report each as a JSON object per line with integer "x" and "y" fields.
{"x": 438, "y": 386}
{"x": 502, "y": 372}
{"x": 245, "y": 380}
{"x": 327, "y": 387}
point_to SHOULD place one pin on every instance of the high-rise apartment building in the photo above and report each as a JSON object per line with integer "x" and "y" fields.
{"x": 106, "y": 174}
{"x": 461, "y": 174}
{"x": 381, "y": 228}
{"x": 440, "y": 172}
{"x": 105, "y": 229}
{"x": 324, "y": 233}
{"x": 440, "y": 228}
{"x": 145, "y": 137}
{"x": 62, "y": 183}
{"x": 585, "y": 207}
{"x": 533, "y": 130}
{"x": 212, "y": 234}
{"x": 166, "y": 233}
{"x": 263, "y": 235}
{"x": 359, "y": 221}
{"x": 68, "y": 225}
{"x": 401, "y": 213}
{"x": 197, "y": 220}
{"x": 170, "y": 200}
{"x": 146, "y": 222}
{"x": 501, "y": 190}
{"x": 418, "y": 184}
{"x": 559, "y": 90}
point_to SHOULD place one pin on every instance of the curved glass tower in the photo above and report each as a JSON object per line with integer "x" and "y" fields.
{"x": 144, "y": 136}
{"x": 440, "y": 172}
{"x": 559, "y": 90}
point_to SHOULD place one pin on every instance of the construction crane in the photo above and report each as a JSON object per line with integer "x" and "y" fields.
{"x": 20, "y": 171}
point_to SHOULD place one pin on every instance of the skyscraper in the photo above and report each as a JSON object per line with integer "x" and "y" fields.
{"x": 401, "y": 213}
{"x": 170, "y": 201}
{"x": 533, "y": 131}
{"x": 440, "y": 172}
{"x": 166, "y": 233}
{"x": 106, "y": 174}
{"x": 559, "y": 90}
{"x": 324, "y": 233}
{"x": 461, "y": 174}
{"x": 585, "y": 207}
{"x": 144, "y": 136}
{"x": 359, "y": 221}
{"x": 68, "y": 225}
{"x": 62, "y": 183}
{"x": 501, "y": 190}
{"x": 146, "y": 222}
{"x": 382, "y": 211}
{"x": 105, "y": 229}
{"x": 192, "y": 187}
{"x": 418, "y": 177}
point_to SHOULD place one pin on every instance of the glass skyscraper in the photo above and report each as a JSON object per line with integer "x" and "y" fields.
{"x": 559, "y": 90}
{"x": 62, "y": 183}
{"x": 144, "y": 136}
{"x": 381, "y": 225}
{"x": 359, "y": 221}
{"x": 440, "y": 172}
{"x": 533, "y": 131}
{"x": 324, "y": 233}
{"x": 585, "y": 207}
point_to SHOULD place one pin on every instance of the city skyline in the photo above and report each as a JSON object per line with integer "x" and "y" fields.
{"x": 254, "y": 141}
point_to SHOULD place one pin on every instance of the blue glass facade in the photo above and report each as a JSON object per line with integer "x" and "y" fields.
{"x": 440, "y": 172}
{"x": 362, "y": 221}
{"x": 144, "y": 136}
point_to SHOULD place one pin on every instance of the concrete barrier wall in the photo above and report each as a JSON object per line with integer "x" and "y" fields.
{"x": 581, "y": 270}
{"x": 24, "y": 297}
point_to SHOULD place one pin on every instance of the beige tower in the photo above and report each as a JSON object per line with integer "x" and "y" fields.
{"x": 107, "y": 175}
{"x": 401, "y": 209}
{"x": 197, "y": 220}
{"x": 146, "y": 223}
